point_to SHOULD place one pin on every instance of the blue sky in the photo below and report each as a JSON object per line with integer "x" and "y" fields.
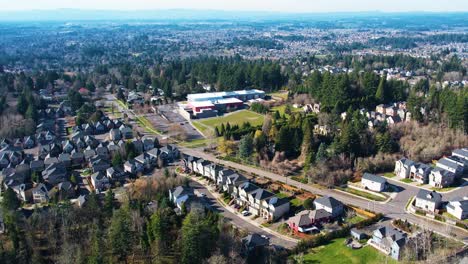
{"x": 245, "y": 5}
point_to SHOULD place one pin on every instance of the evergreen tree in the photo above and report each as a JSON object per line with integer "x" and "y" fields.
{"x": 109, "y": 203}
{"x": 120, "y": 235}
{"x": 381, "y": 94}
{"x": 10, "y": 201}
{"x": 246, "y": 146}
{"x": 117, "y": 160}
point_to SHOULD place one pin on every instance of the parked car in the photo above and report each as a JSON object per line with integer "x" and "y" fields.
{"x": 245, "y": 213}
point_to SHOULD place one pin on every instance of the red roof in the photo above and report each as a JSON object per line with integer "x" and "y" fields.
{"x": 83, "y": 91}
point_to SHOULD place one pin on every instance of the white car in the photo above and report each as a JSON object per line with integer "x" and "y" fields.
{"x": 245, "y": 213}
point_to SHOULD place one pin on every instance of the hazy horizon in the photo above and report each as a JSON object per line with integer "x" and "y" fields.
{"x": 291, "y": 6}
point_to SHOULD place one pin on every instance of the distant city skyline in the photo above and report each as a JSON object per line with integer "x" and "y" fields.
{"x": 291, "y": 6}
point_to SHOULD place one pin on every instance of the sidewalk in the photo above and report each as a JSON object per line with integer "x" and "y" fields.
{"x": 232, "y": 210}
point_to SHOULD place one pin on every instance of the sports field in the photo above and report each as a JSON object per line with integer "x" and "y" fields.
{"x": 235, "y": 118}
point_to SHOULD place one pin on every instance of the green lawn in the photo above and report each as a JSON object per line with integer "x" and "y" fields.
{"x": 282, "y": 95}
{"x": 235, "y": 118}
{"x": 446, "y": 189}
{"x": 296, "y": 202}
{"x": 338, "y": 252}
{"x": 282, "y": 108}
{"x": 355, "y": 219}
{"x": 367, "y": 195}
{"x": 195, "y": 143}
{"x": 389, "y": 174}
{"x": 406, "y": 180}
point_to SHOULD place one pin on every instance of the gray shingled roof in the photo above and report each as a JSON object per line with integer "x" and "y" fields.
{"x": 432, "y": 196}
{"x": 374, "y": 178}
{"x": 328, "y": 201}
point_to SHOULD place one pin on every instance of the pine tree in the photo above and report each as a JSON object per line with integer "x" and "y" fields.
{"x": 246, "y": 146}
{"x": 109, "y": 203}
{"x": 120, "y": 235}
{"x": 10, "y": 201}
{"x": 381, "y": 94}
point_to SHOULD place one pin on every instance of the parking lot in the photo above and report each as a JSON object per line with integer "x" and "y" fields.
{"x": 167, "y": 116}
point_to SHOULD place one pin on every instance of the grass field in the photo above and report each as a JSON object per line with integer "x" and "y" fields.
{"x": 389, "y": 174}
{"x": 406, "y": 180}
{"x": 236, "y": 118}
{"x": 338, "y": 252}
{"x": 282, "y": 95}
{"x": 367, "y": 195}
{"x": 281, "y": 109}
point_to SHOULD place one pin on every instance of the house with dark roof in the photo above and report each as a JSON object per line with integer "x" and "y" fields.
{"x": 428, "y": 200}
{"x": 55, "y": 173}
{"x": 441, "y": 178}
{"x": 40, "y": 194}
{"x": 389, "y": 240}
{"x": 450, "y": 165}
{"x": 373, "y": 182}
{"x": 329, "y": 204}
{"x": 274, "y": 208}
{"x": 116, "y": 173}
{"x": 459, "y": 208}
{"x": 305, "y": 220}
{"x": 181, "y": 195}
{"x": 419, "y": 172}
{"x": 403, "y": 168}
{"x": 133, "y": 167}
{"x": 254, "y": 242}
{"x": 100, "y": 181}
{"x": 462, "y": 153}
{"x": 99, "y": 165}
{"x": 256, "y": 199}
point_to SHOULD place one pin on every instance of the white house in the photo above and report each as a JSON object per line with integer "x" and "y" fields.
{"x": 373, "y": 182}
{"x": 428, "y": 200}
{"x": 180, "y": 195}
{"x": 462, "y": 153}
{"x": 419, "y": 172}
{"x": 403, "y": 168}
{"x": 274, "y": 208}
{"x": 329, "y": 204}
{"x": 441, "y": 178}
{"x": 458, "y": 208}
{"x": 450, "y": 165}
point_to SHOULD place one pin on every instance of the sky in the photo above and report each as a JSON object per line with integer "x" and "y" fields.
{"x": 296, "y": 6}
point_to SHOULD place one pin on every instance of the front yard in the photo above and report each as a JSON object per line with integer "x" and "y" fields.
{"x": 337, "y": 252}
{"x": 364, "y": 194}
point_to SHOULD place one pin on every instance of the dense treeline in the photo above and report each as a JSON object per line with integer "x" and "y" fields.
{"x": 339, "y": 92}
{"x": 107, "y": 231}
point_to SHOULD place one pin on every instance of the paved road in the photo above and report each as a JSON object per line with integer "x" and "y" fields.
{"x": 237, "y": 220}
{"x": 393, "y": 209}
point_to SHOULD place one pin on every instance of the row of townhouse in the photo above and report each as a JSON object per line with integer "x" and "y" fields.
{"x": 254, "y": 199}
{"x": 444, "y": 174}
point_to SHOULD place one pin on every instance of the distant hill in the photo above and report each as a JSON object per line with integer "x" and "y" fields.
{"x": 185, "y": 14}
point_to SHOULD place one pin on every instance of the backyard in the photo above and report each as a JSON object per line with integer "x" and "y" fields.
{"x": 337, "y": 252}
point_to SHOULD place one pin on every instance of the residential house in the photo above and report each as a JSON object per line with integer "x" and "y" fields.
{"x": 458, "y": 208}
{"x": 99, "y": 181}
{"x": 213, "y": 171}
{"x": 133, "y": 167}
{"x": 428, "y": 200}
{"x": 116, "y": 173}
{"x": 462, "y": 153}
{"x": 171, "y": 152}
{"x": 460, "y": 162}
{"x": 115, "y": 134}
{"x": 77, "y": 158}
{"x": 201, "y": 164}
{"x": 145, "y": 160}
{"x": 36, "y": 165}
{"x": 389, "y": 240}
{"x": 232, "y": 181}
{"x": 373, "y": 182}
{"x": 403, "y": 168}
{"x": 29, "y": 142}
{"x": 254, "y": 242}
{"x": 66, "y": 190}
{"x": 255, "y": 200}
{"x": 138, "y": 144}
{"x": 306, "y": 220}
{"x": 243, "y": 191}
{"x": 54, "y": 173}
{"x": 274, "y": 208}
{"x": 181, "y": 195}
{"x": 65, "y": 158}
{"x": 148, "y": 143}
{"x": 127, "y": 132}
{"x": 441, "y": 178}
{"x": 329, "y": 204}
{"x": 222, "y": 176}
{"x": 40, "y": 194}
{"x": 99, "y": 165}
{"x": 450, "y": 165}
{"x": 419, "y": 172}
{"x": 357, "y": 234}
